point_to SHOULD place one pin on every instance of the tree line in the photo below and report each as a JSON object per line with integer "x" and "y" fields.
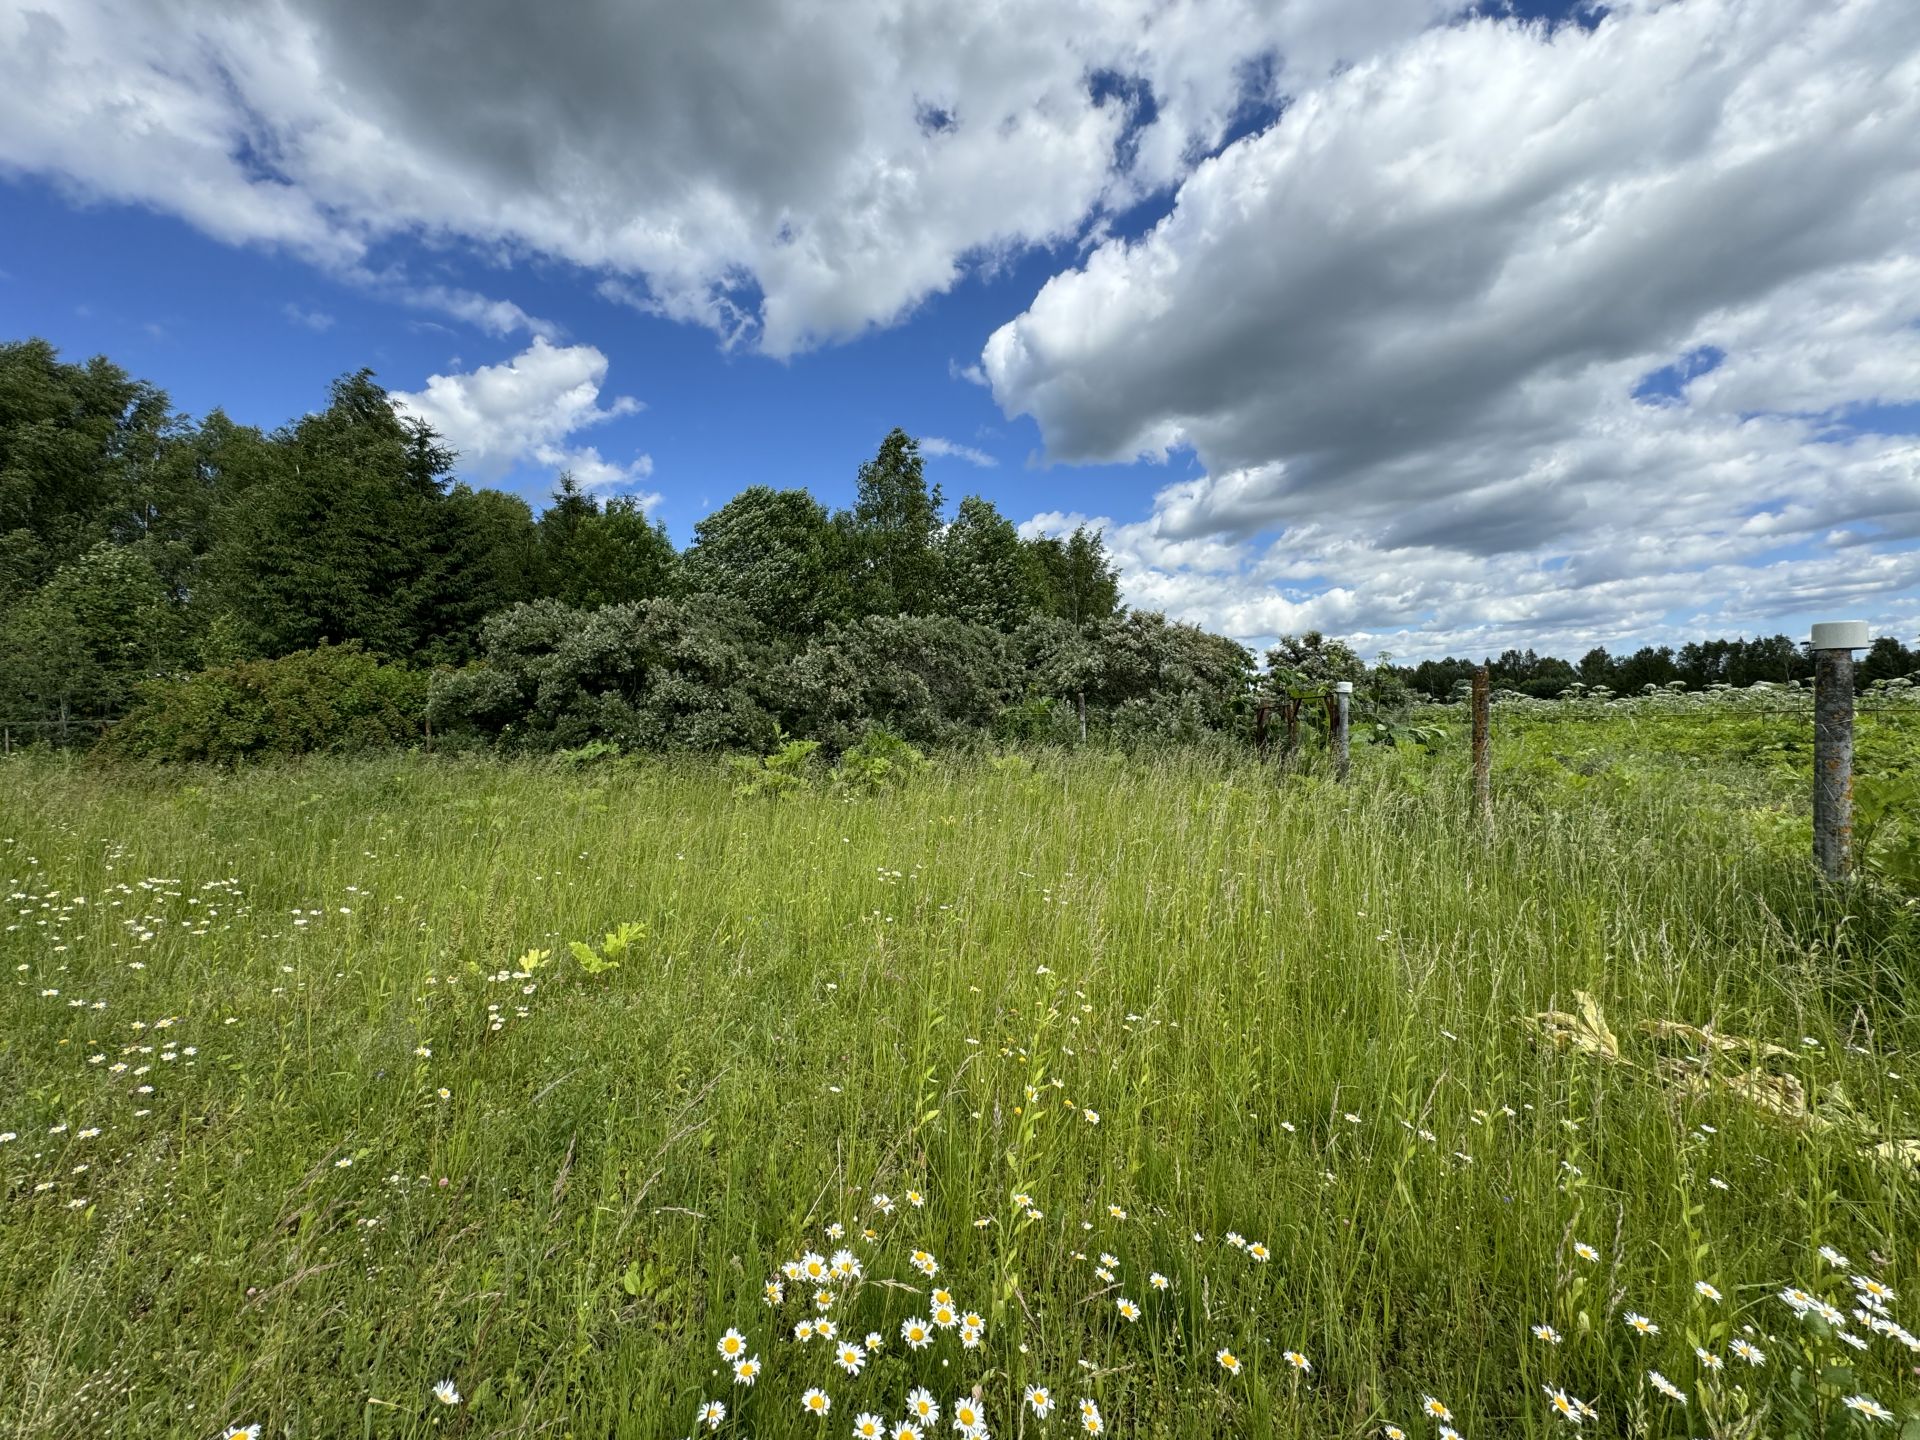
{"x": 1698, "y": 665}
{"x": 140, "y": 548}
{"x": 224, "y": 590}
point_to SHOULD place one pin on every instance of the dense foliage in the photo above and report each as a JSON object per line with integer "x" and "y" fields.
{"x": 139, "y": 548}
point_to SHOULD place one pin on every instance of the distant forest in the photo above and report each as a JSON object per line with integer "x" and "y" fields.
{"x": 227, "y": 591}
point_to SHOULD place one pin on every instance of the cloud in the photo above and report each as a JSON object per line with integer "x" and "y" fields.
{"x": 316, "y": 320}
{"x": 525, "y": 411}
{"x": 934, "y": 445}
{"x": 1407, "y": 333}
{"x": 677, "y": 150}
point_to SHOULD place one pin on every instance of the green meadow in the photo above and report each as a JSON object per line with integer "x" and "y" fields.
{"x": 1182, "y": 1097}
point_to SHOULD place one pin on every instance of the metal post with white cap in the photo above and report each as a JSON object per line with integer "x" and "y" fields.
{"x": 1342, "y": 716}
{"x": 1833, "y": 647}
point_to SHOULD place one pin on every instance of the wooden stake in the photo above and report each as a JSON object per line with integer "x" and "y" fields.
{"x": 1482, "y": 746}
{"x": 1342, "y": 717}
{"x": 1833, "y": 647}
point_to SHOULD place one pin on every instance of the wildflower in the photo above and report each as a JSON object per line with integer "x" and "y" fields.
{"x": 836, "y": 1231}
{"x": 1868, "y": 1406}
{"x": 732, "y": 1345}
{"x": 1447, "y": 1432}
{"x": 823, "y": 1299}
{"x": 1116, "y": 1212}
{"x": 1640, "y": 1324}
{"x": 1862, "y": 1283}
{"x": 1297, "y": 1360}
{"x": 1585, "y": 1251}
{"x": 1105, "y": 1275}
{"x": 242, "y": 1432}
{"x": 1847, "y": 1337}
{"x": 803, "y": 1331}
{"x": 851, "y": 1358}
{"x": 906, "y": 1430}
{"x": 1236, "y": 1240}
{"x": 746, "y": 1371}
{"x": 1798, "y": 1300}
{"x": 873, "y": 1342}
{"x": 1827, "y": 1313}
{"x": 1229, "y": 1361}
{"x": 925, "y": 1264}
{"x": 1092, "y": 1118}
{"x": 941, "y": 1297}
{"x": 884, "y": 1204}
{"x": 444, "y": 1093}
{"x": 1717, "y": 1183}
{"x": 970, "y": 1337}
{"x": 1090, "y": 1420}
{"x": 826, "y": 1329}
{"x": 846, "y": 1265}
{"x": 345, "y": 1162}
{"x": 1707, "y": 1358}
{"x": 916, "y": 1199}
{"x": 814, "y": 1267}
{"x": 922, "y": 1406}
{"x": 1706, "y": 1291}
{"x": 1157, "y": 1280}
{"x": 967, "y": 1418}
{"x": 710, "y": 1414}
{"x": 1393, "y": 1432}
{"x": 917, "y": 1333}
{"x": 1128, "y": 1310}
{"x": 945, "y": 1317}
{"x": 1748, "y": 1352}
{"x": 973, "y": 1320}
{"x": 774, "y": 1292}
{"x": 446, "y": 1394}
{"x": 816, "y": 1402}
{"x": 1434, "y": 1408}
{"x": 1546, "y": 1333}
{"x": 868, "y": 1426}
{"x": 1258, "y": 1251}
{"x": 1562, "y": 1404}
{"x": 88, "y": 1133}
{"x": 1834, "y": 1258}
{"x": 1666, "y": 1387}
{"x": 423, "y": 1052}
{"x": 1040, "y": 1400}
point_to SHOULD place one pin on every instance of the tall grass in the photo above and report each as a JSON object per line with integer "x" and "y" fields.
{"x": 1296, "y": 1009}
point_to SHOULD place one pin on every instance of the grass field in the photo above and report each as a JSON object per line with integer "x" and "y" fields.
{"x": 1164, "y": 1066}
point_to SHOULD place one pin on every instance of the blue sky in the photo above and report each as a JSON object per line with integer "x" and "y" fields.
{"x": 1441, "y": 327}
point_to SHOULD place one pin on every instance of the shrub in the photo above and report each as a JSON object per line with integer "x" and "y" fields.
{"x": 335, "y": 699}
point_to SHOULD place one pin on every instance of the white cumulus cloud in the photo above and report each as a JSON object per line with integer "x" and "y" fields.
{"x": 527, "y": 410}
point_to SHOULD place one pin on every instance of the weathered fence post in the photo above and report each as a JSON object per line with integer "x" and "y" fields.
{"x": 1833, "y": 647}
{"x": 1080, "y": 707}
{"x": 1342, "y": 714}
{"x": 1262, "y": 715}
{"x": 1482, "y": 746}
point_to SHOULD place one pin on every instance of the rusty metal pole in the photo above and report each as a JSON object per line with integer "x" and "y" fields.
{"x": 1833, "y": 647}
{"x": 1342, "y": 716}
{"x": 1482, "y": 746}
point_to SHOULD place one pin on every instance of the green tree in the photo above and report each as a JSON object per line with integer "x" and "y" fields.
{"x": 74, "y": 441}
{"x": 1075, "y": 579}
{"x": 894, "y": 529}
{"x": 341, "y": 530}
{"x": 985, "y": 574}
{"x": 76, "y": 649}
{"x": 777, "y": 554}
{"x": 594, "y": 554}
